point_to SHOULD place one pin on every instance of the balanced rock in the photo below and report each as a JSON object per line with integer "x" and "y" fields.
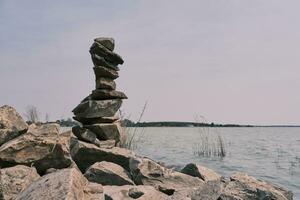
{"x": 98, "y": 120}
{"x": 11, "y": 124}
{"x": 107, "y": 42}
{"x": 95, "y": 109}
{"x": 107, "y": 94}
{"x": 106, "y": 131}
{"x": 101, "y": 71}
{"x": 85, "y": 134}
{"x": 105, "y": 83}
{"x": 86, "y": 154}
{"x": 201, "y": 172}
{"x": 108, "y": 173}
{"x": 100, "y": 61}
{"x": 15, "y": 179}
{"x": 67, "y": 184}
{"x": 242, "y": 186}
{"x": 41, "y": 147}
{"x": 100, "y": 50}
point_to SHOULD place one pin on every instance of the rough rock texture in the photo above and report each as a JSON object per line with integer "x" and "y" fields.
{"x": 107, "y": 173}
{"x": 105, "y": 83}
{"x": 67, "y": 184}
{"x": 106, "y": 131}
{"x": 11, "y": 124}
{"x": 100, "y": 61}
{"x": 15, "y": 179}
{"x": 107, "y": 42}
{"x": 244, "y": 187}
{"x": 101, "y": 71}
{"x": 107, "y": 94}
{"x": 85, "y": 135}
{"x": 147, "y": 172}
{"x": 127, "y": 192}
{"x": 110, "y": 56}
{"x": 89, "y": 121}
{"x": 201, "y": 172}
{"x": 86, "y": 154}
{"x": 94, "y": 109}
{"x": 41, "y": 147}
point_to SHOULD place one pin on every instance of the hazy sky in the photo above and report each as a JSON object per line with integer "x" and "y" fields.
{"x": 231, "y": 61}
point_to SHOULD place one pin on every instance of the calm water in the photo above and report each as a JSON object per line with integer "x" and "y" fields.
{"x": 271, "y": 154}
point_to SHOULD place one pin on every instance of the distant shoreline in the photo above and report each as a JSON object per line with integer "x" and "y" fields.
{"x": 195, "y": 124}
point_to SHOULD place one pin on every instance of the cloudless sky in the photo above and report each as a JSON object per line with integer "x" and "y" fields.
{"x": 230, "y": 61}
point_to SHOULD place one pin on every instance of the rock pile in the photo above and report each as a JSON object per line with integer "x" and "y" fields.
{"x": 97, "y": 112}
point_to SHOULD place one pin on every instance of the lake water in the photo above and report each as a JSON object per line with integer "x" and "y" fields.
{"x": 271, "y": 154}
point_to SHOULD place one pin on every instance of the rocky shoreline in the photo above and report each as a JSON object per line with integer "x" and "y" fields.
{"x": 89, "y": 163}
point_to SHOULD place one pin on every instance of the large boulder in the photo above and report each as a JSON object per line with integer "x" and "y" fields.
{"x": 94, "y": 109}
{"x": 101, "y": 71}
{"x": 133, "y": 192}
{"x": 86, "y": 154}
{"x": 244, "y": 187}
{"x": 107, "y": 42}
{"x": 66, "y": 184}
{"x": 108, "y": 173}
{"x": 41, "y": 147}
{"x": 98, "y": 49}
{"x": 105, "y": 83}
{"x": 201, "y": 172}
{"x": 101, "y": 94}
{"x": 11, "y": 124}
{"x": 15, "y": 179}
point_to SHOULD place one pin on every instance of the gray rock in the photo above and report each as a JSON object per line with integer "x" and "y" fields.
{"x": 89, "y": 121}
{"x": 101, "y": 51}
{"x": 100, "y": 61}
{"x": 15, "y": 179}
{"x": 85, "y": 134}
{"x": 201, "y": 172}
{"x": 107, "y": 94}
{"x": 67, "y": 184}
{"x": 127, "y": 192}
{"x": 105, "y": 72}
{"x": 105, "y": 83}
{"x": 244, "y": 187}
{"x": 175, "y": 184}
{"x": 107, "y": 42}
{"x": 107, "y": 173}
{"x": 86, "y": 154}
{"x": 41, "y": 147}
{"x": 106, "y": 131}
{"x": 96, "y": 109}
{"x": 108, "y": 144}
{"x": 11, "y": 124}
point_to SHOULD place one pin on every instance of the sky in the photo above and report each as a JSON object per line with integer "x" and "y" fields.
{"x": 228, "y": 61}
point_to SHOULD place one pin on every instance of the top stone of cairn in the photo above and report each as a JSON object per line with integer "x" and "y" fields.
{"x": 107, "y": 42}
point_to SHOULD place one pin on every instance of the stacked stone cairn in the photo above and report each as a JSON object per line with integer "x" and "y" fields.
{"x": 98, "y": 112}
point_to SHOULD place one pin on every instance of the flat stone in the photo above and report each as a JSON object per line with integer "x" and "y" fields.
{"x": 41, "y": 147}
{"x": 107, "y": 94}
{"x": 101, "y": 71}
{"x": 89, "y": 121}
{"x": 106, "y": 131}
{"x": 85, "y": 134}
{"x": 242, "y": 186}
{"x": 15, "y": 179}
{"x": 108, "y": 173}
{"x": 96, "y": 109}
{"x": 107, "y": 42}
{"x": 67, "y": 184}
{"x": 86, "y": 154}
{"x": 105, "y": 83}
{"x": 11, "y": 124}
{"x": 100, "y": 50}
{"x": 100, "y": 61}
{"x": 108, "y": 144}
